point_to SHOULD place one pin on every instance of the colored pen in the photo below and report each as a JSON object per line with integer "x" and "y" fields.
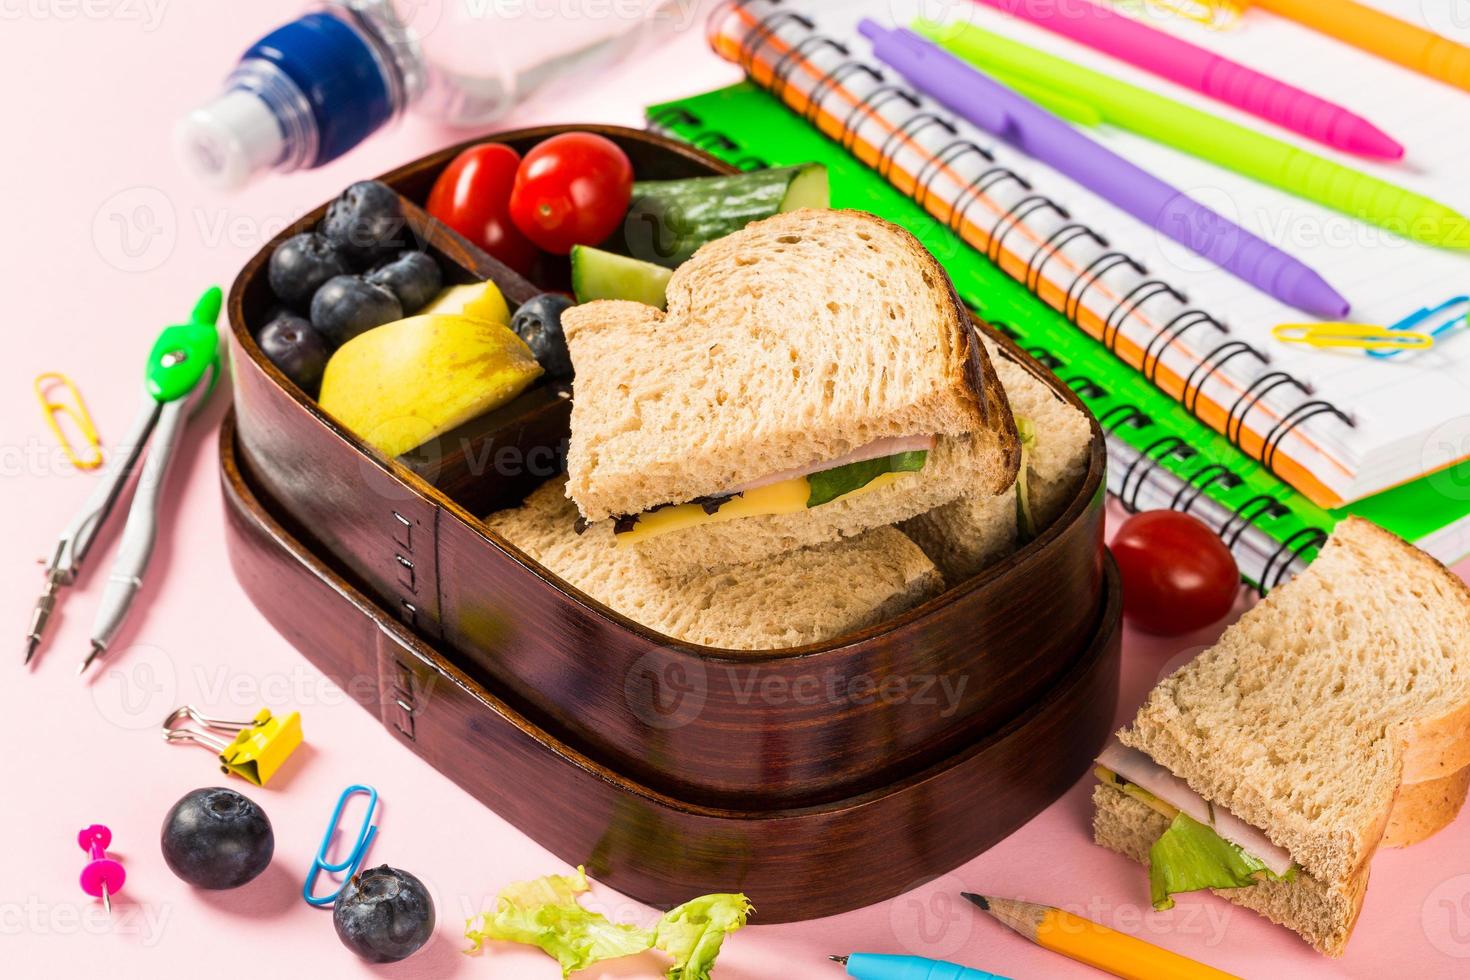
{"x": 1382, "y": 34}
{"x": 1041, "y": 135}
{"x": 1092, "y": 98}
{"x": 1196, "y": 68}
{"x": 1096, "y": 945}
{"x": 883, "y": 966}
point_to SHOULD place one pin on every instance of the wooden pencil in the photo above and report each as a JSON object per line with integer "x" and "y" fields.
{"x": 1096, "y": 945}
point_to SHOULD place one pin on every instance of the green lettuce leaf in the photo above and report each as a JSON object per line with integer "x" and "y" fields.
{"x": 1190, "y": 856}
{"x": 828, "y": 485}
{"x": 545, "y": 913}
{"x": 1025, "y": 523}
{"x": 693, "y": 932}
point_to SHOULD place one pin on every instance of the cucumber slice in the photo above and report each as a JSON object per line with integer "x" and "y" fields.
{"x": 604, "y": 275}
{"x": 668, "y": 219}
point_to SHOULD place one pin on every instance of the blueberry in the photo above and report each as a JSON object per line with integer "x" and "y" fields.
{"x": 292, "y": 345}
{"x": 349, "y": 305}
{"x": 366, "y": 223}
{"x": 302, "y": 263}
{"x": 538, "y": 323}
{"x": 383, "y": 914}
{"x": 216, "y": 838}
{"x": 413, "y": 277}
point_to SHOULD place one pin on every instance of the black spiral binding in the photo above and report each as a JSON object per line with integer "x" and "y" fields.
{"x": 674, "y": 118}
{"x": 1091, "y": 275}
{"x": 1131, "y": 302}
{"x": 1086, "y": 387}
{"x": 1052, "y": 246}
{"x": 1201, "y": 480}
{"x": 765, "y": 31}
{"x": 948, "y": 155}
{"x": 1150, "y": 458}
{"x": 1045, "y": 357}
{"x": 782, "y": 69}
{"x": 1011, "y": 218}
{"x": 907, "y": 133}
{"x": 1306, "y": 410}
{"x": 1292, "y": 548}
{"x": 1213, "y": 362}
{"x": 1168, "y": 335}
{"x": 1259, "y": 507}
{"x": 1129, "y": 415}
{"x": 1251, "y": 397}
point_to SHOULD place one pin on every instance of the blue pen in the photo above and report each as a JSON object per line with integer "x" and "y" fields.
{"x": 883, "y": 966}
{"x": 1039, "y": 134}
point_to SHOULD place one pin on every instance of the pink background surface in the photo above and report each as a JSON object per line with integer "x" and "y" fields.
{"x": 107, "y": 241}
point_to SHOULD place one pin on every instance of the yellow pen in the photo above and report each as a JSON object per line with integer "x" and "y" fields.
{"x": 1096, "y": 945}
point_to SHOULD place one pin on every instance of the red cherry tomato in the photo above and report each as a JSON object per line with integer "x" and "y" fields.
{"x": 1177, "y": 574}
{"x": 472, "y": 196}
{"x": 572, "y": 189}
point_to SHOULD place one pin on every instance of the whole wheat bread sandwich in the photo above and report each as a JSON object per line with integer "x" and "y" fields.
{"x": 807, "y": 596}
{"x": 967, "y": 535}
{"x": 814, "y": 376}
{"x": 1273, "y": 765}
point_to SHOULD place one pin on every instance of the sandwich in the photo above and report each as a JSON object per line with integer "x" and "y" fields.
{"x": 965, "y": 536}
{"x": 814, "y": 376}
{"x": 807, "y": 596}
{"x": 1332, "y": 718}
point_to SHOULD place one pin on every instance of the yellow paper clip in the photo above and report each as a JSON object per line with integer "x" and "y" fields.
{"x": 259, "y": 747}
{"x": 76, "y": 411}
{"x": 1360, "y": 336}
{"x": 1217, "y": 15}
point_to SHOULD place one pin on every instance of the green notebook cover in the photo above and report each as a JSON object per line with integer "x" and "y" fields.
{"x": 746, "y": 126}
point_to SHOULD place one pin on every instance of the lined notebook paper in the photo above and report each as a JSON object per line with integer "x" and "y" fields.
{"x": 1343, "y": 425}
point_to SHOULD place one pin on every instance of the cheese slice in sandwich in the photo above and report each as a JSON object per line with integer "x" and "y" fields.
{"x": 814, "y": 376}
{"x": 807, "y": 596}
{"x": 1269, "y": 767}
{"x": 967, "y": 535}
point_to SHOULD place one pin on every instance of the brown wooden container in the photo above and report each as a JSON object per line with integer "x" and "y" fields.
{"x": 793, "y": 861}
{"x": 801, "y": 727}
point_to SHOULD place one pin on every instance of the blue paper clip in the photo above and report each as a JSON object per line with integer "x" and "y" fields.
{"x": 348, "y": 867}
{"x": 1418, "y": 317}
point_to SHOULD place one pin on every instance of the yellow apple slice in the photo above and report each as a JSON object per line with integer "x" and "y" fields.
{"x": 481, "y": 300}
{"x": 399, "y": 385}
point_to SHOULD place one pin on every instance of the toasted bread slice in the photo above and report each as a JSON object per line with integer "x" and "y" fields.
{"x": 1322, "y": 914}
{"x": 799, "y": 339}
{"x": 1312, "y": 709}
{"x": 967, "y": 535}
{"x": 807, "y": 596}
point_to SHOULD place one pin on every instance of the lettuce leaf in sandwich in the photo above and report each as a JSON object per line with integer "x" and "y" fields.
{"x": 1189, "y": 856}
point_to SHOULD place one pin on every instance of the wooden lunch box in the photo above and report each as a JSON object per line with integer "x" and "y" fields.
{"x": 670, "y": 769}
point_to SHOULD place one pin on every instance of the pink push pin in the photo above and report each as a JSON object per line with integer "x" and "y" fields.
{"x": 102, "y": 877}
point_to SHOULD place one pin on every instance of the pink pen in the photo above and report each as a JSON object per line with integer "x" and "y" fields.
{"x": 1193, "y": 67}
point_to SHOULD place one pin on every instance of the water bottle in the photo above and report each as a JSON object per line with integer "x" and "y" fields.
{"x": 313, "y": 89}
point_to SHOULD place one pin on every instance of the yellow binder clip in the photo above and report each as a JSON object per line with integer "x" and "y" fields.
{"x": 258, "y": 749}
{"x": 1359, "y": 336}
{"x": 76, "y": 410}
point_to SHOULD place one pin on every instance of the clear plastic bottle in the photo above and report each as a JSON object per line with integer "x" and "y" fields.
{"x": 314, "y": 88}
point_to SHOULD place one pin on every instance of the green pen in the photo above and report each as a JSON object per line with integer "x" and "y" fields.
{"x": 1090, "y": 98}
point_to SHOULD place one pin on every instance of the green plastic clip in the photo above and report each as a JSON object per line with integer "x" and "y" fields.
{"x": 182, "y": 353}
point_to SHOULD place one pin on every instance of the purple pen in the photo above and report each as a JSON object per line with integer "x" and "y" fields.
{"x": 1041, "y": 135}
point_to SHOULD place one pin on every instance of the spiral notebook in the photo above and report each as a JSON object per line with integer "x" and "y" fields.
{"x": 1336, "y": 437}
{"x": 1159, "y": 454}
